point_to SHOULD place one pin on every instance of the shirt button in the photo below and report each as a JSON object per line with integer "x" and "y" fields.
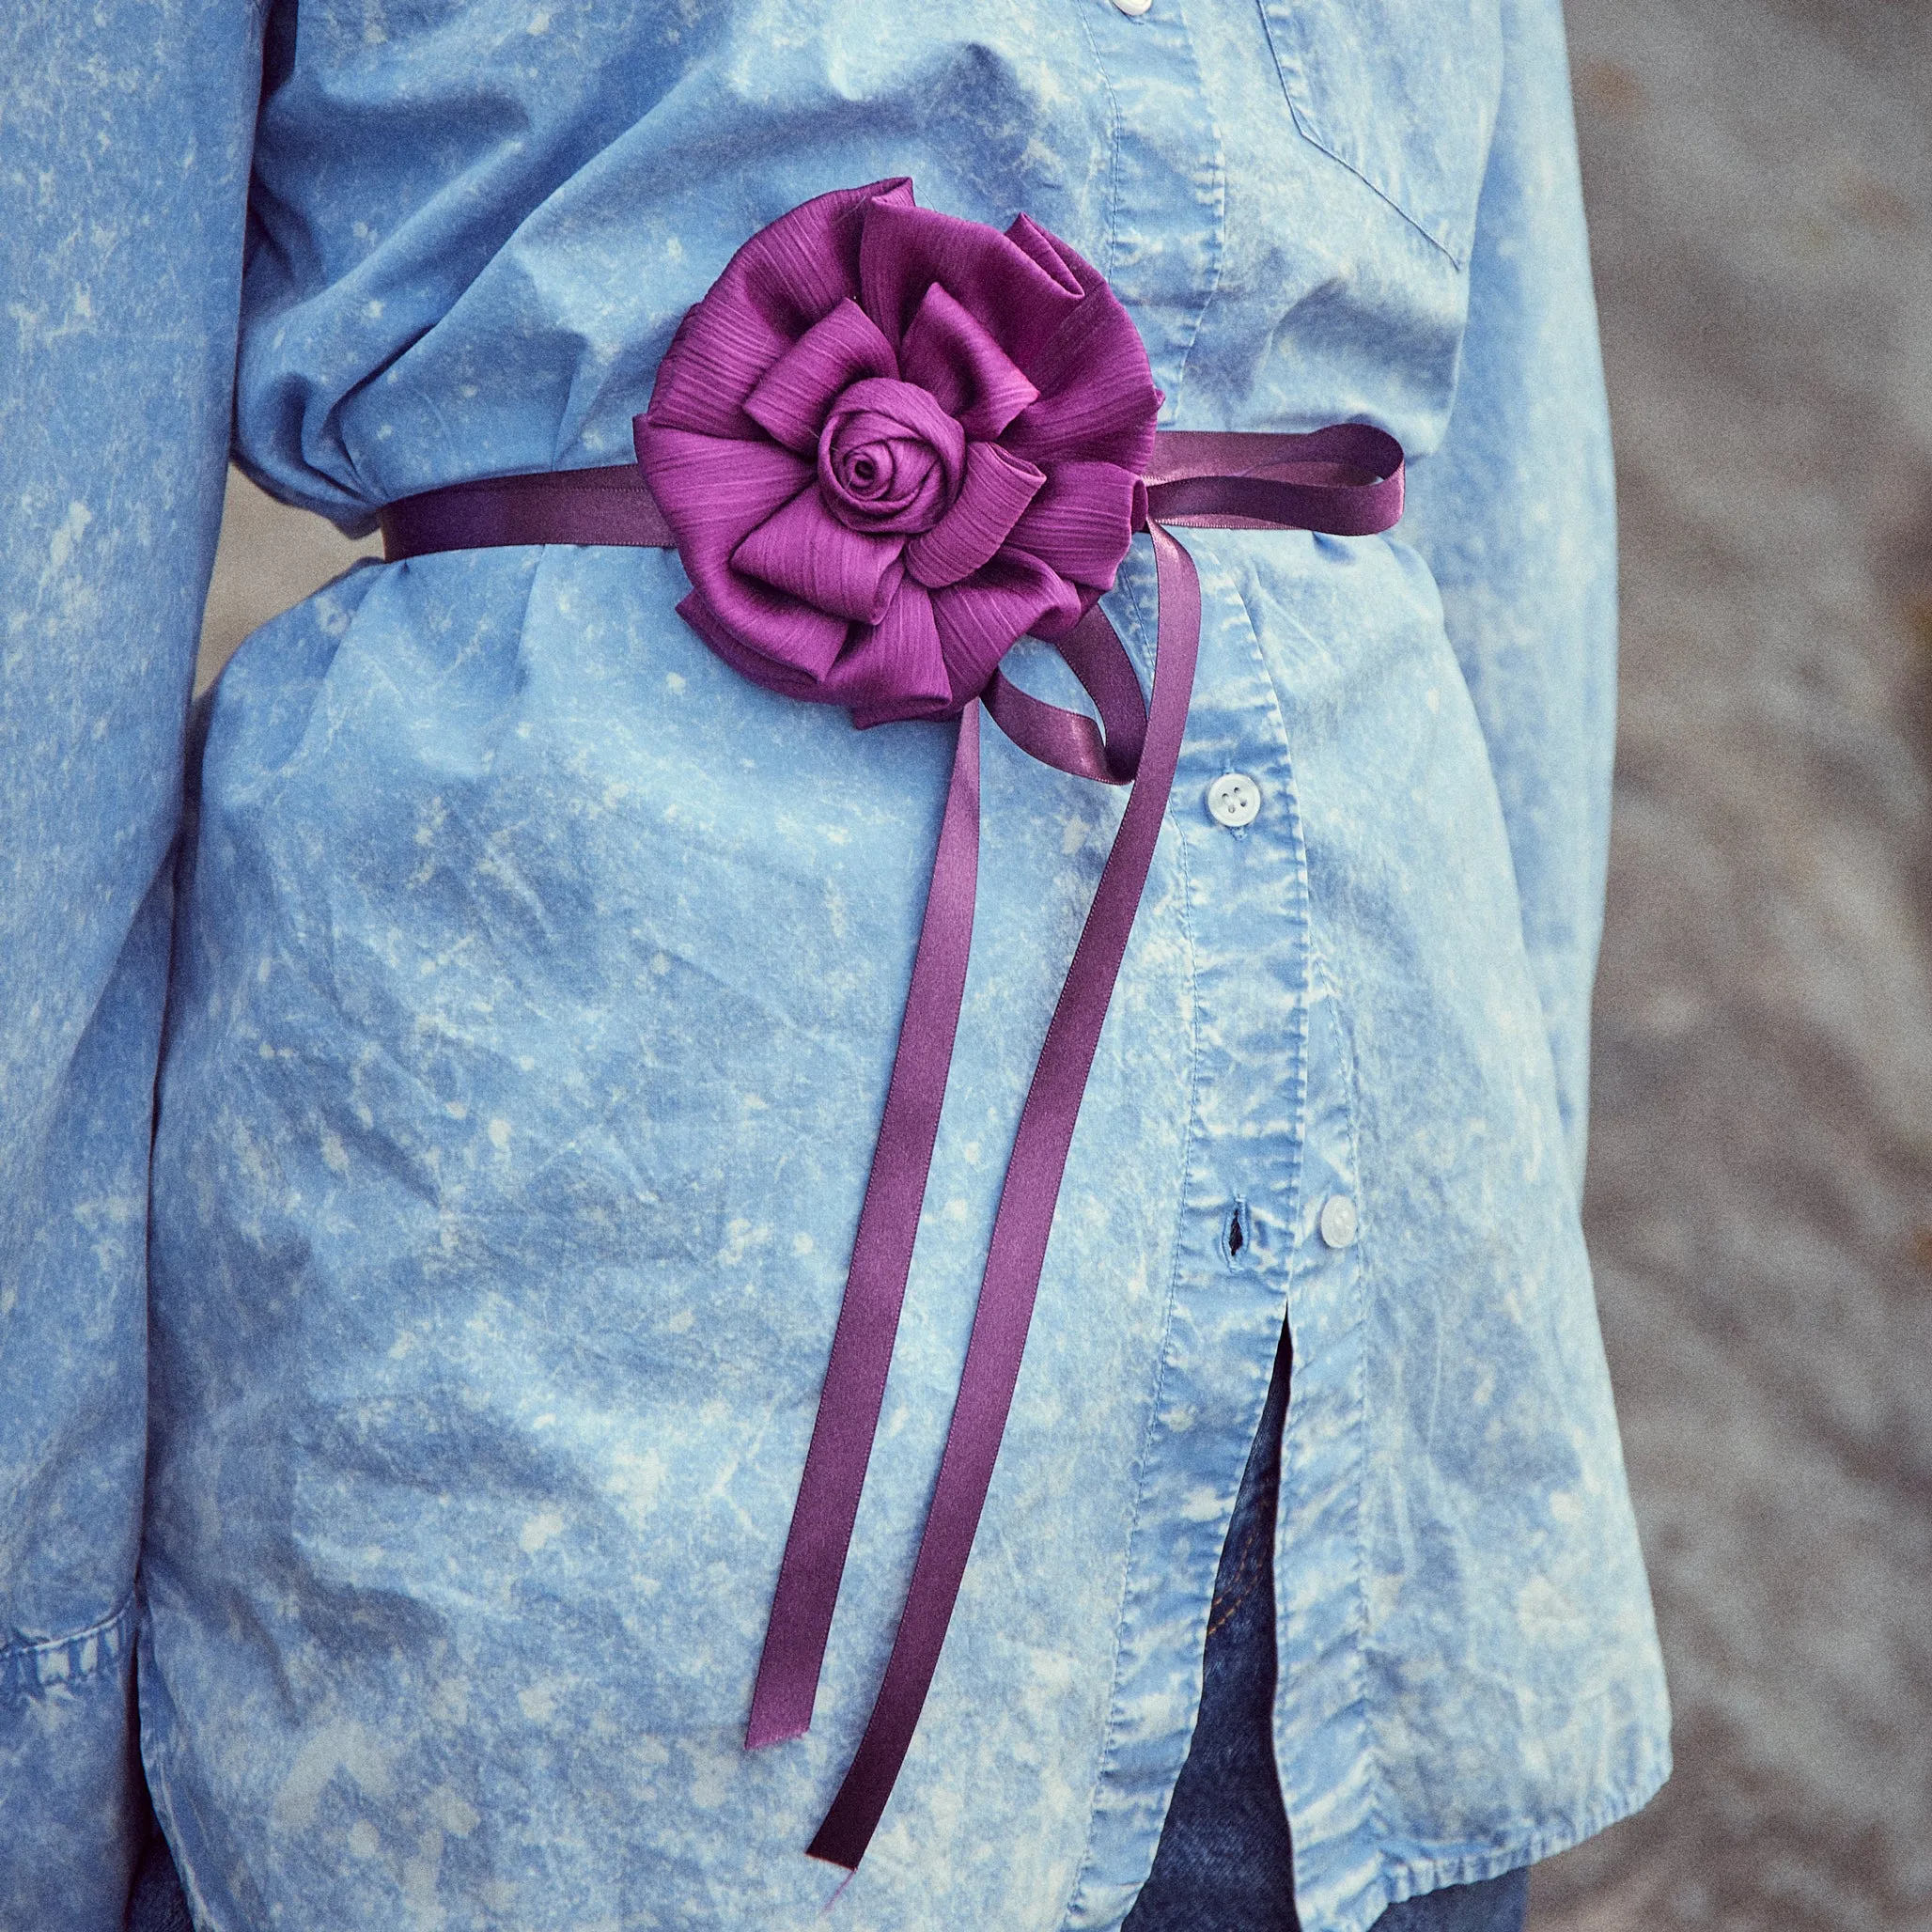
{"x": 1234, "y": 798}
{"x": 1338, "y": 1221}
{"x": 1133, "y": 9}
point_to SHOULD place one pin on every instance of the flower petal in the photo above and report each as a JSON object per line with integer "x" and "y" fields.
{"x": 770, "y": 674}
{"x": 769, "y": 293}
{"x": 950, "y": 353}
{"x": 896, "y": 668}
{"x": 1098, "y": 398}
{"x": 714, "y": 493}
{"x": 1079, "y": 524}
{"x": 794, "y": 394}
{"x": 997, "y": 488}
{"x": 713, "y": 363}
{"x": 981, "y": 619}
{"x": 805, "y": 551}
{"x": 904, "y": 250}
{"x": 776, "y": 628}
{"x": 797, "y": 269}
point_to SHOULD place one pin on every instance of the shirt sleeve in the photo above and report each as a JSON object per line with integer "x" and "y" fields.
{"x": 1516, "y": 516}
{"x": 123, "y": 179}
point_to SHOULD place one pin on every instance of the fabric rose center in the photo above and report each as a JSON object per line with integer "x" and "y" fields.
{"x": 890, "y": 458}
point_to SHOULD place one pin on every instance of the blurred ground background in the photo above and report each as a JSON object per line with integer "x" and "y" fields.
{"x": 1759, "y": 174}
{"x": 1759, "y": 180}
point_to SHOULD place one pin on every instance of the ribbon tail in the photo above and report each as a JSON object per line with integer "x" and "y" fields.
{"x": 1020, "y": 1231}
{"x": 868, "y": 1315}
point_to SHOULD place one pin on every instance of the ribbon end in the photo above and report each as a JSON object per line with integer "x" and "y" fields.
{"x": 767, "y": 1729}
{"x": 828, "y": 1851}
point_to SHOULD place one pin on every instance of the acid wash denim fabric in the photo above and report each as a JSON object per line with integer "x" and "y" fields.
{"x": 531, "y": 981}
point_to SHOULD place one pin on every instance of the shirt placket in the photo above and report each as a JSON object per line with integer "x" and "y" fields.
{"x": 1244, "y": 901}
{"x": 1236, "y": 822}
{"x": 1321, "y": 1735}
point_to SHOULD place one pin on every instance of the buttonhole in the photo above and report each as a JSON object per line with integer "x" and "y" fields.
{"x": 1238, "y": 1237}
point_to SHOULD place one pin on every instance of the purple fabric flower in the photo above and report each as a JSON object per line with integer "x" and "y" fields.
{"x": 888, "y": 443}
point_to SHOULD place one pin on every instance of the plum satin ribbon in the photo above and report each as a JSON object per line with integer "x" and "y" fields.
{"x": 1346, "y": 480}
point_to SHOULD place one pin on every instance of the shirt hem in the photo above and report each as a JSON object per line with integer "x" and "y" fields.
{"x": 1410, "y": 1877}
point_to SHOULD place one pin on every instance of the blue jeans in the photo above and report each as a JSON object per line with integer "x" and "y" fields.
{"x": 1224, "y": 1863}
{"x": 158, "y": 1905}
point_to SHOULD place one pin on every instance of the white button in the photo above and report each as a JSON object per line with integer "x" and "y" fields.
{"x": 1133, "y": 9}
{"x": 1234, "y": 799}
{"x": 1338, "y": 1221}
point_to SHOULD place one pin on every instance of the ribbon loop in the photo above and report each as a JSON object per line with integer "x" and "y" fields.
{"x": 1069, "y": 740}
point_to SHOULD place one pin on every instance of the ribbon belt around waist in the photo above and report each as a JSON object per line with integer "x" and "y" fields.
{"x": 1346, "y": 480}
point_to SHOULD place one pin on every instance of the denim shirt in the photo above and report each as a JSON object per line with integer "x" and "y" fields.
{"x": 521, "y": 1002}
